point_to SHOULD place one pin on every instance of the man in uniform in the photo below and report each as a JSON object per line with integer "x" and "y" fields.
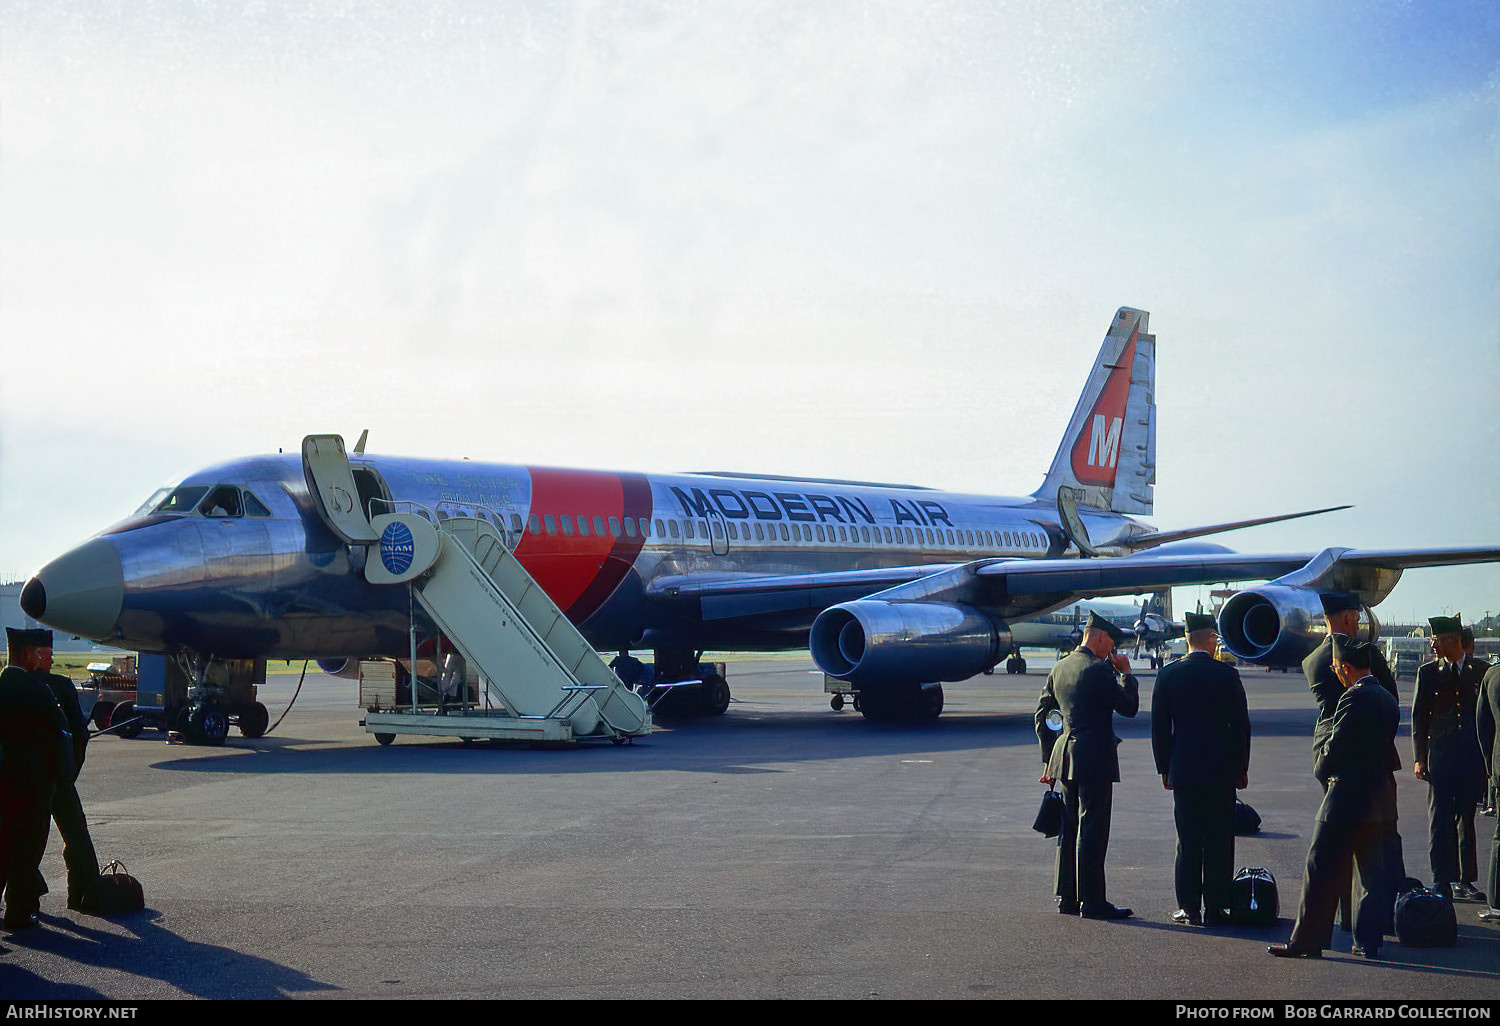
{"x": 1200, "y": 736}
{"x": 1085, "y": 686}
{"x": 1360, "y": 797}
{"x": 32, "y": 735}
{"x": 67, "y": 810}
{"x": 1447, "y": 756}
{"x": 1488, "y": 728}
{"x": 1341, "y": 613}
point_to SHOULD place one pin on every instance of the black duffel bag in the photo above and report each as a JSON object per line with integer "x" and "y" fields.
{"x": 1425, "y": 919}
{"x": 1246, "y": 820}
{"x": 1254, "y": 896}
{"x": 1049, "y": 817}
{"x": 117, "y": 892}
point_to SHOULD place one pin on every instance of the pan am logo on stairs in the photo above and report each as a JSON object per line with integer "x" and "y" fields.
{"x": 396, "y": 548}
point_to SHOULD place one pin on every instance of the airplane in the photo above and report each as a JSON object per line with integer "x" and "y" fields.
{"x": 894, "y": 589}
{"x": 1154, "y": 628}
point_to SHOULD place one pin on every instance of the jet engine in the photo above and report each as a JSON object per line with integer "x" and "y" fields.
{"x": 875, "y": 642}
{"x": 1273, "y": 625}
{"x": 346, "y": 668}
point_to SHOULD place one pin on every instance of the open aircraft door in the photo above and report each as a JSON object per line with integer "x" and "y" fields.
{"x": 330, "y": 480}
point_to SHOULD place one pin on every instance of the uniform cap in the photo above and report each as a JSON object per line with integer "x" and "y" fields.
{"x": 35, "y": 637}
{"x": 1446, "y": 624}
{"x": 1338, "y": 602}
{"x": 1356, "y": 654}
{"x": 1098, "y": 623}
{"x": 1194, "y": 622}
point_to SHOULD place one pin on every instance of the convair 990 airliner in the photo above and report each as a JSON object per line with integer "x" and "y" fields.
{"x": 894, "y": 588}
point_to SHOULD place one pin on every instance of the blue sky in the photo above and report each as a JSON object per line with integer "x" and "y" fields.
{"x": 861, "y": 240}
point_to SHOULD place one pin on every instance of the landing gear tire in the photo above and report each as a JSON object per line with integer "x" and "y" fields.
{"x": 876, "y": 705}
{"x": 1015, "y": 664}
{"x": 208, "y": 726}
{"x": 911, "y": 703}
{"x": 929, "y": 702}
{"x": 100, "y": 714}
{"x": 713, "y": 695}
{"x": 836, "y": 702}
{"x": 122, "y": 712}
{"x": 385, "y": 739}
{"x": 254, "y": 721}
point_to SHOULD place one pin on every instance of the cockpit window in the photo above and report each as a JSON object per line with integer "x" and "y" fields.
{"x": 223, "y": 501}
{"x": 149, "y": 506}
{"x": 181, "y": 501}
{"x": 254, "y": 507}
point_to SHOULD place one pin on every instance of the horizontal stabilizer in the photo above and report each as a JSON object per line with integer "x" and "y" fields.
{"x": 1150, "y": 541}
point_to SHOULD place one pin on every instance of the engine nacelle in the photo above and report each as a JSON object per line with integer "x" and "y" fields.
{"x": 346, "y": 668}
{"x": 1273, "y": 625}
{"x": 874, "y": 642}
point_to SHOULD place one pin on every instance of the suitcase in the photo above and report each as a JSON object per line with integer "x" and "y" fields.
{"x": 1253, "y": 892}
{"x": 1425, "y": 919}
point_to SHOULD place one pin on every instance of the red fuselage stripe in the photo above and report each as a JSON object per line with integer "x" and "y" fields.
{"x": 582, "y": 570}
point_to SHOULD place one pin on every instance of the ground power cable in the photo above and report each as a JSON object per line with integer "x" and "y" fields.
{"x": 292, "y": 702}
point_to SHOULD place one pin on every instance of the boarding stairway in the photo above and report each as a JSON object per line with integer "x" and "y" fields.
{"x": 542, "y": 679}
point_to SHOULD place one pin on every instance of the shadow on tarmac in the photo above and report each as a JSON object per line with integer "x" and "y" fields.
{"x": 730, "y": 744}
{"x": 151, "y": 951}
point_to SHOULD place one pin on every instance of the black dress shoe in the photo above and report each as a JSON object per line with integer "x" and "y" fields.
{"x": 22, "y": 922}
{"x": 1105, "y": 911}
{"x": 1287, "y": 951}
{"x": 1183, "y": 917}
{"x": 1218, "y": 917}
{"x": 1467, "y": 892}
{"x": 1067, "y": 908}
{"x": 1360, "y": 951}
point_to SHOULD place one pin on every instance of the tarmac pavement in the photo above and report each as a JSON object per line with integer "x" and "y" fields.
{"x": 782, "y": 850}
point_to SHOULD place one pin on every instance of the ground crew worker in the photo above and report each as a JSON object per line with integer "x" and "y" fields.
{"x": 1359, "y": 799}
{"x": 1085, "y": 686}
{"x": 1447, "y": 756}
{"x": 67, "y": 810}
{"x": 33, "y": 736}
{"x": 1200, "y": 737}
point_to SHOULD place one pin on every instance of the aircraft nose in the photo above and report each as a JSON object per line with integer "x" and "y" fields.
{"x": 80, "y": 592}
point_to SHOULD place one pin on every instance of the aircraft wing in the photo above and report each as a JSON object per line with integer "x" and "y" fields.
{"x": 1013, "y": 588}
{"x": 731, "y": 596}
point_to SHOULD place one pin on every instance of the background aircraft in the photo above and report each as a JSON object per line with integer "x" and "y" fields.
{"x": 893, "y": 588}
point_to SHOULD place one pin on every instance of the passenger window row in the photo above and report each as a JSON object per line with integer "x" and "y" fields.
{"x": 585, "y": 526}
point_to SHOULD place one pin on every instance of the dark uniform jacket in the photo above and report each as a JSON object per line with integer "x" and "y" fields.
{"x": 1087, "y": 691}
{"x": 1328, "y": 689}
{"x": 1200, "y": 726}
{"x": 1487, "y": 720}
{"x": 1444, "y": 734}
{"x": 1354, "y": 764}
{"x": 66, "y": 695}
{"x": 31, "y": 728}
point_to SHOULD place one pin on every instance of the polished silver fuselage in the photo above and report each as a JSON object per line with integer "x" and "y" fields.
{"x": 281, "y": 585}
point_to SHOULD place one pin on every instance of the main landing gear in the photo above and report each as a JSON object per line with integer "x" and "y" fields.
{"x": 678, "y": 683}
{"x": 908, "y": 703}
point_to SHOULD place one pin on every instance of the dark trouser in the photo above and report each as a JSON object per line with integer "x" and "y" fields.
{"x": 1493, "y": 894}
{"x": 1335, "y": 849}
{"x": 1205, "y": 847}
{"x": 1450, "y": 823}
{"x": 25, "y": 813}
{"x": 78, "y": 846}
{"x": 1084, "y": 840}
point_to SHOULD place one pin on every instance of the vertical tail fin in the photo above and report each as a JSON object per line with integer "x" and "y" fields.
{"x": 1107, "y": 457}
